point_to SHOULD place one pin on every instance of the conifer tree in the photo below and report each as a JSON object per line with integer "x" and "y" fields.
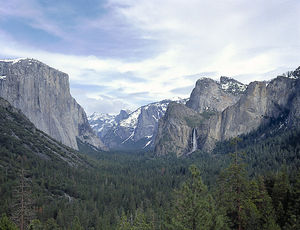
{"x": 280, "y": 196}
{"x": 234, "y": 191}
{"x": 76, "y": 224}
{"x": 22, "y": 206}
{"x": 194, "y": 208}
{"x": 140, "y": 221}
{"x": 51, "y": 225}
{"x": 293, "y": 211}
{"x": 36, "y": 225}
{"x": 124, "y": 224}
{"x": 7, "y": 224}
{"x": 262, "y": 211}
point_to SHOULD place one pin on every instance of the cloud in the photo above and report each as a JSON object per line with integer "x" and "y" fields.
{"x": 129, "y": 76}
{"x": 88, "y": 87}
{"x": 182, "y": 90}
{"x": 101, "y": 104}
{"x": 32, "y": 13}
{"x": 195, "y": 77}
{"x": 220, "y": 35}
{"x": 125, "y": 53}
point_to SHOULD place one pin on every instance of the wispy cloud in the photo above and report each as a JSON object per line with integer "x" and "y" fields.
{"x": 128, "y": 52}
{"x": 31, "y": 13}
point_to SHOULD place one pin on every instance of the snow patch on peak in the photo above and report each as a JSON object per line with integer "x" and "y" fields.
{"x": 292, "y": 74}
{"x": 160, "y": 107}
{"x": 179, "y": 100}
{"x": 100, "y": 116}
{"x": 231, "y": 85}
{"x": 227, "y": 85}
{"x": 132, "y": 120}
{"x": 14, "y": 61}
{"x": 101, "y": 122}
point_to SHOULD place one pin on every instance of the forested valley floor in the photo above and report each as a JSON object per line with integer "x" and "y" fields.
{"x": 250, "y": 183}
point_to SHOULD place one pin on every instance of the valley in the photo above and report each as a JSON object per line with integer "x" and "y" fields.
{"x": 144, "y": 169}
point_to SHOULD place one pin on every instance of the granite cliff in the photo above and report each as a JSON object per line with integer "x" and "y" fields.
{"x": 215, "y": 96}
{"x": 42, "y": 93}
{"x": 219, "y": 110}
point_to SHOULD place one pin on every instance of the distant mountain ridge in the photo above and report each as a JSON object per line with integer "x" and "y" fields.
{"x": 137, "y": 130}
{"x": 221, "y": 110}
{"x": 102, "y": 122}
{"x": 43, "y": 94}
{"x": 130, "y": 130}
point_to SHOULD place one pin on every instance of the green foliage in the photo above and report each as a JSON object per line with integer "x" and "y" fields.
{"x": 7, "y": 224}
{"x": 51, "y": 225}
{"x": 207, "y": 114}
{"x": 197, "y": 120}
{"x": 135, "y": 190}
{"x": 35, "y": 225}
{"x": 234, "y": 193}
{"x": 139, "y": 222}
{"x": 76, "y": 224}
{"x": 194, "y": 208}
{"x": 193, "y": 121}
{"x": 124, "y": 223}
{"x": 267, "y": 148}
{"x": 280, "y": 195}
{"x": 294, "y": 207}
{"x": 247, "y": 203}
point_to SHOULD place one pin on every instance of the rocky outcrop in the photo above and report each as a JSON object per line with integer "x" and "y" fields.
{"x": 207, "y": 100}
{"x": 259, "y": 104}
{"x": 246, "y": 115}
{"x": 210, "y": 95}
{"x": 42, "y": 93}
{"x": 176, "y": 127}
{"x": 294, "y": 112}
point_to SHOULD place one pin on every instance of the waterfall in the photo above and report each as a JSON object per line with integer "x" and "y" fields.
{"x": 194, "y": 142}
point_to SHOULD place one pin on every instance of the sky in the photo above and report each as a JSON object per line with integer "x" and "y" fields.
{"x": 121, "y": 54}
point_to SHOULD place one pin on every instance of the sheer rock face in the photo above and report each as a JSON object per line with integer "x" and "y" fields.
{"x": 43, "y": 95}
{"x": 175, "y": 130}
{"x": 246, "y": 115}
{"x": 241, "y": 113}
{"x": 294, "y": 114}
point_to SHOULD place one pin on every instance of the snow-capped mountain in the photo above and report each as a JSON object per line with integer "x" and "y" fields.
{"x": 135, "y": 130}
{"x": 102, "y": 122}
{"x": 232, "y": 86}
{"x": 292, "y": 74}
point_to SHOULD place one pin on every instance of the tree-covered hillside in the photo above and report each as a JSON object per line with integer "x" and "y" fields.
{"x": 258, "y": 188}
